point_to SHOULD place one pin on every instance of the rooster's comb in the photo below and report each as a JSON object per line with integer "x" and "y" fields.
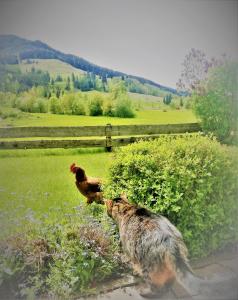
{"x": 73, "y": 168}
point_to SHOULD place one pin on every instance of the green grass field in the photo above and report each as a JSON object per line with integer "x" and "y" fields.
{"x": 142, "y": 117}
{"x": 39, "y": 182}
{"x": 36, "y": 182}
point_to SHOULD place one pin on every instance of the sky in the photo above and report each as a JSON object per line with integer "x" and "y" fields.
{"x": 147, "y": 38}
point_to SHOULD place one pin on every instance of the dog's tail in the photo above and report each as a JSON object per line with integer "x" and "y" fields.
{"x": 185, "y": 274}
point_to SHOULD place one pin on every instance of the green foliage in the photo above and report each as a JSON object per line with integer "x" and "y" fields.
{"x": 8, "y": 98}
{"x": 95, "y": 104}
{"x": 121, "y": 104}
{"x": 117, "y": 88}
{"x": 13, "y": 80}
{"x": 72, "y": 104}
{"x": 87, "y": 82}
{"x": 123, "y": 108}
{"x": 32, "y": 101}
{"x": 61, "y": 259}
{"x": 54, "y": 106}
{"x": 216, "y": 103}
{"x": 108, "y": 109}
{"x": 191, "y": 180}
{"x": 167, "y": 99}
{"x": 181, "y": 102}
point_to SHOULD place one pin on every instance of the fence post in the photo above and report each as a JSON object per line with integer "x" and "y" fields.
{"x": 108, "y": 133}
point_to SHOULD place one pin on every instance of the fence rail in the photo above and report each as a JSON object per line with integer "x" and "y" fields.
{"x": 108, "y": 131}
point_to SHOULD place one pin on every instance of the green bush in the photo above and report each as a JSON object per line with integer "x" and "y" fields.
{"x": 54, "y": 105}
{"x": 123, "y": 108}
{"x": 60, "y": 258}
{"x": 95, "y": 108}
{"x": 108, "y": 109}
{"x": 78, "y": 108}
{"x": 192, "y": 180}
{"x": 66, "y": 103}
{"x": 40, "y": 106}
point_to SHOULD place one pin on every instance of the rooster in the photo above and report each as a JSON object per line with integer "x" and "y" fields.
{"x": 88, "y": 186}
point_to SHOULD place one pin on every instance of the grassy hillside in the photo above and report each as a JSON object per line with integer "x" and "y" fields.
{"x": 14, "y": 49}
{"x": 53, "y": 66}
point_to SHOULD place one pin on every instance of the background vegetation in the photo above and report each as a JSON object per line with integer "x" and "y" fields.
{"x": 213, "y": 85}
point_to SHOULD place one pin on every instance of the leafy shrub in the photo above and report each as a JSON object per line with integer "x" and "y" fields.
{"x": 25, "y": 103}
{"x": 95, "y": 107}
{"x": 108, "y": 109}
{"x": 123, "y": 108}
{"x": 66, "y": 103}
{"x": 78, "y": 108}
{"x": 54, "y": 105}
{"x": 60, "y": 258}
{"x": 40, "y": 106}
{"x": 192, "y": 180}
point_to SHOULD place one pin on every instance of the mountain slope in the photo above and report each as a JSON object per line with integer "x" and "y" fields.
{"x": 53, "y": 66}
{"x": 14, "y": 48}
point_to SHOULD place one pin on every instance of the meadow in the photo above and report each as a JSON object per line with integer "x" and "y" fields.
{"x": 142, "y": 117}
{"x": 37, "y": 182}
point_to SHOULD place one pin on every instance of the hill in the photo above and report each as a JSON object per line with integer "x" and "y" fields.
{"x": 14, "y": 49}
{"x": 53, "y": 66}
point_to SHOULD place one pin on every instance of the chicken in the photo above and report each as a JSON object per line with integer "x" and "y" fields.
{"x": 88, "y": 186}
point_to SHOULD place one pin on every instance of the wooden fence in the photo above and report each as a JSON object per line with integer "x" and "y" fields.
{"x": 100, "y": 136}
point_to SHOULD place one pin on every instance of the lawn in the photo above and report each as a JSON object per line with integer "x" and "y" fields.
{"x": 142, "y": 117}
{"x": 39, "y": 182}
{"x": 36, "y": 182}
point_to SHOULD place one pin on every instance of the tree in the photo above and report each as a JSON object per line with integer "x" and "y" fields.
{"x": 212, "y": 85}
{"x": 104, "y": 81}
{"x": 58, "y": 91}
{"x": 215, "y": 102}
{"x": 181, "y": 102}
{"x": 73, "y": 78}
{"x": 67, "y": 87}
{"x": 121, "y": 104}
{"x": 54, "y": 105}
{"x": 59, "y": 78}
{"x": 117, "y": 88}
{"x": 195, "y": 69}
{"x": 167, "y": 99}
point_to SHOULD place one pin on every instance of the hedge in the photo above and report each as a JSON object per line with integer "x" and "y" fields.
{"x": 192, "y": 180}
